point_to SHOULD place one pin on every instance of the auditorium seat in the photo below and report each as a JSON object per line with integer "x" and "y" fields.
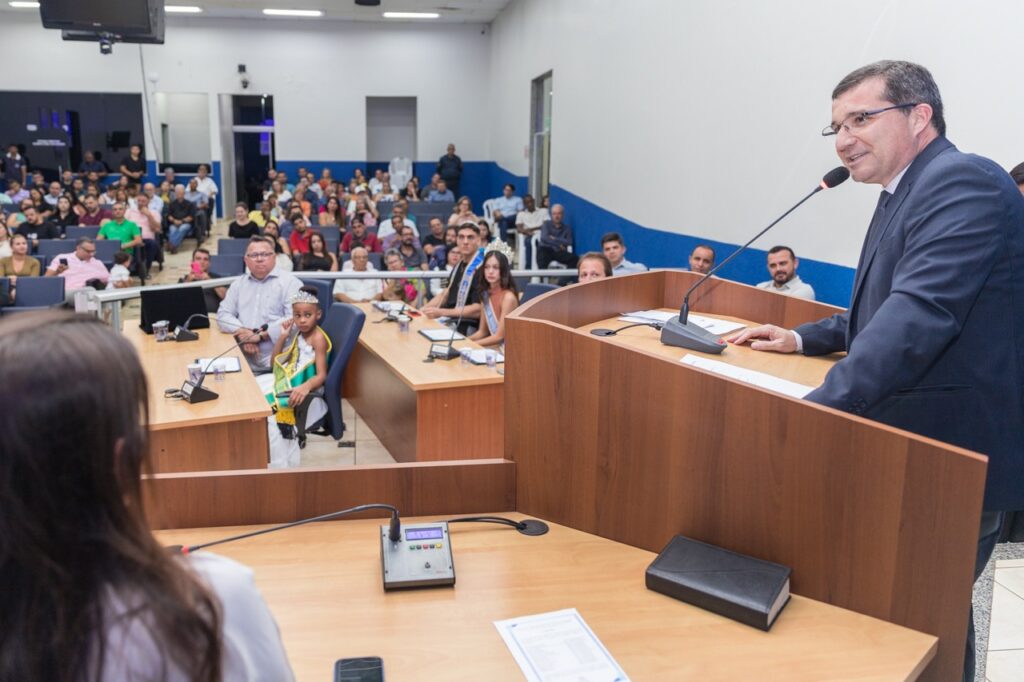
{"x": 36, "y": 293}
{"x": 227, "y": 265}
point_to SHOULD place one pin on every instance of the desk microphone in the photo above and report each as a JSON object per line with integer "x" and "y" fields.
{"x": 442, "y": 352}
{"x": 680, "y": 332}
{"x": 183, "y": 333}
{"x": 193, "y": 391}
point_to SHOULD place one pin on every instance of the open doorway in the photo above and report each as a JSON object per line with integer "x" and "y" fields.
{"x": 390, "y": 131}
{"x": 253, "y": 128}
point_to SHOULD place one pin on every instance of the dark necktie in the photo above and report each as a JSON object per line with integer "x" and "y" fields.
{"x": 877, "y": 219}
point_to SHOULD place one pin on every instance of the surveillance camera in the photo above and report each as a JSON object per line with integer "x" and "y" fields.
{"x": 245, "y": 83}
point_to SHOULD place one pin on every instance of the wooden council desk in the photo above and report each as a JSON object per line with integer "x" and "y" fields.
{"x": 423, "y": 411}
{"x": 323, "y": 584}
{"x": 227, "y": 433}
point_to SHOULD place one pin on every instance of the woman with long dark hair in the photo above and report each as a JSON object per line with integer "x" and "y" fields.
{"x": 498, "y": 295}
{"x": 331, "y": 213}
{"x": 88, "y": 592}
{"x": 319, "y": 257}
{"x": 64, "y": 215}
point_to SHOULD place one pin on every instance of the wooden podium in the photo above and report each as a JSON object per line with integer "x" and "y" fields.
{"x": 614, "y": 436}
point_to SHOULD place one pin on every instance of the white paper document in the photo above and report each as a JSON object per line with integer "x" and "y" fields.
{"x": 388, "y": 306}
{"x": 558, "y": 647}
{"x": 648, "y": 316}
{"x": 441, "y": 334}
{"x": 228, "y": 364}
{"x": 750, "y": 376}
{"x": 478, "y": 356}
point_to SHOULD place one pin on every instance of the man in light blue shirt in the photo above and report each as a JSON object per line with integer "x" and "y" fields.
{"x": 506, "y": 208}
{"x": 615, "y": 251}
{"x": 442, "y": 193}
{"x": 256, "y": 298}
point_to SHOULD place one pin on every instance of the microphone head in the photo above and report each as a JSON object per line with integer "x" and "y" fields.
{"x": 836, "y": 176}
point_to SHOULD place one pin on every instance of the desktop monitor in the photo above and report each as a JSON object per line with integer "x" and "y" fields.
{"x": 175, "y": 306}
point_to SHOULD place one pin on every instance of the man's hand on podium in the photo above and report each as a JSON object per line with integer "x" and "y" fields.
{"x": 777, "y": 339}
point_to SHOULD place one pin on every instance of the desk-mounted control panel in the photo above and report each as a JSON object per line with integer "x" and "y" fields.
{"x": 422, "y": 557}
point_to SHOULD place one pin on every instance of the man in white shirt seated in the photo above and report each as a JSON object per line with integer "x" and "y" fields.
{"x": 615, "y": 251}
{"x": 390, "y": 226}
{"x": 206, "y": 185}
{"x": 782, "y": 265}
{"x": 358, "y": 290}
{"x": 528, "y": 223}
{"x": 376, "y": 182}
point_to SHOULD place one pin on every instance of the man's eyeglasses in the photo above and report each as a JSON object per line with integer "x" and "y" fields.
{"x": 860, "y": 120}
{"x": 260, "y": 255}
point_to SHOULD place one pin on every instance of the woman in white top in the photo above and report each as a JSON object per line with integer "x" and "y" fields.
{"x": 91, "y": 593}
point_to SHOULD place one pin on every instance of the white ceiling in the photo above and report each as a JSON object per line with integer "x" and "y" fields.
{"x": 451, "y": 11}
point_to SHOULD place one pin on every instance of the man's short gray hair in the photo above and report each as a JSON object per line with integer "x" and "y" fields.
{"x": 84, "y": 240}
{"x": 905, "y": 83}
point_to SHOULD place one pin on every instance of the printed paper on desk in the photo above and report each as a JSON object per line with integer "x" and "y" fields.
{"x": 228, "y": 364}
{"x": 750, "y": 376}
{"x": 714, "y": 325}
{"x": 558, "y": 646}
{"x": 441, "y": 334}
{"x": 649, "y": 316}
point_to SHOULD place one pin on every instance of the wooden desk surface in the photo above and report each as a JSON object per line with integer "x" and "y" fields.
{"x": 404, "y": 354}
{"x": 165, "y": 365}
{"x": 810, "y": 371}
{"x": 323, "y": 584}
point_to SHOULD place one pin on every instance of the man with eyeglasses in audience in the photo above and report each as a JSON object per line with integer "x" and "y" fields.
{"x": 80, "y": 269}
{"x": 358, "y": 290}
{"x": 260, "y": 296}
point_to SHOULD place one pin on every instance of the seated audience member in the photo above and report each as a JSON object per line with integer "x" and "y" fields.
{"x": 16, "y": 218}
{"x": 80, "y": 269}
{"x": 436, "y": 286}
{"x": 261, "y": 215}
{"x": 54, "y": 192}
{"x": 77, "y": 188}
{"x": 64, "y": 215}
{"x": 318, "y": 257}
{"x": 435, "y": 238}
{"x": 440, "y": 255}
{"x": 485, "y": 231}
{"x": 386, "y": 194}
{"x": 151, "y": 225}
{"x": 41, "y": 206}
{"x": 390, "y": 226}
{"x": 702, "y": 259}
{"x": 16, "y": 192}
{"x": 441, "y": 193}
{"x": 109, "y": 196}
{"x": 206, "y": 185}
{"x": 404, "y": 290}
{"x": 413, "y": 256}
{"x": 463, "y": 213}
{"x": 94, "y": 215}
{"x": 278, "y": 190}
{"x": 19, "y": 263}
{"x": 258, "y": 297}
{"x": 90, "y": 164}
{"x": 298, "y": 240}
{"x": 411, "y": 192}
{"x": 326, "y": 179}
{"x": 1018, "y": 176}
{"x": 427, "y": 189}
{"x": 200, "y": 271}
{"x": 498, "y": 297}
{"x": 358, "y": 290}
{"x": 283, "y": 251}
{"x": 301, "y": 201}
{"x": 5, "y": 242}
{"x": 35, "y": 227}
{"x": 331, "y": 213}
{"x": 376, "y": 182}
{"x": 242, "y": 227}
{"x": 299, "y": 367}
{"x": 782, "y": 265}
{"x": 506, "y": 209}
{"x": 124, "y": 231}
{"x": 181, "y": 215}
{"x": 98, "y": 596}
{"x": 365, "y": 210}
{"x": 461, "y": 298}
{"x": 120, "y": 274}
{"x": 359, "y": 236}
{"x": 615, "y": 251}
{"x": 555, "y": 241}
{"x": 593, "y": 266}
{"x": 133, "y": 166}
{"x": 38, "y": 182}
{"x": 197, "y": 197}
{"x": 156, "y": 202}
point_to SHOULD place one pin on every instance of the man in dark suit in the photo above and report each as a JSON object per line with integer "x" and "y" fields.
{"x": 935, "y": 328}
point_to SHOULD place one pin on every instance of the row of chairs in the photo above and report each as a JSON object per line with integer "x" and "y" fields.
{"x": 36, "y": 293}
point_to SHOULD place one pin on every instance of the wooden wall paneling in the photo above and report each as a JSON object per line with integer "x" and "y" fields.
{"x": 210, "y": 447}
{"x": 230, "y": 498}
{"x": 461, "y": 423}
{"x": 384, "y": 402}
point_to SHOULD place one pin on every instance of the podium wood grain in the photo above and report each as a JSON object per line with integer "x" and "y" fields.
{"x": 323, "y": 584}
{"x": 227, "y": 433}
{"x": 616, "y": 437}
{"x": 423, "y": 411}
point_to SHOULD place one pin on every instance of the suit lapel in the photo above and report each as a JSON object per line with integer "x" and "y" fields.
{"x": 876, "y": 236}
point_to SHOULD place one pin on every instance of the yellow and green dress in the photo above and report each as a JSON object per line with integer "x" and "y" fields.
{"x": 293, "y": 366}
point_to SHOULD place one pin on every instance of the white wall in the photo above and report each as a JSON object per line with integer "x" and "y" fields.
{"x": 319, "y": 73}
{"x": 702, "y": 117}
{"x": 187, "y": 116}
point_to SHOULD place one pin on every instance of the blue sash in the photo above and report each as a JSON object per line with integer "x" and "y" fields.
{"x": 492, "y": 318}
{"x": 467, "y": 279}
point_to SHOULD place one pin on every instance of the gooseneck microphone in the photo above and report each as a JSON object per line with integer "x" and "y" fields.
{"x": 394, "y": 528}
{"x": 193, "y": 391}
{"x": 183, "y": 333}
{"x": 680, "y": 332}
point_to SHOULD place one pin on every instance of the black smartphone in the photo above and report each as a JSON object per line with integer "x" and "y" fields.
{"x": 63, "y": 261}
{"x": 363, "y": 669}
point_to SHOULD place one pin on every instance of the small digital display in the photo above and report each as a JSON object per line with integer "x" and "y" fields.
{"x": 424, "y": 534}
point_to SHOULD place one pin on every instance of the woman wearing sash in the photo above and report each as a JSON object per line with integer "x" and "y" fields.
{"x": 498, "y": 296}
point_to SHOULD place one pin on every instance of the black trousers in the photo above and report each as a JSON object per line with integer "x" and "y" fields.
{"x": 546, "y": 255}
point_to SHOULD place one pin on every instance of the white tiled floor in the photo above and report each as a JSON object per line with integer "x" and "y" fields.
{"x": 1006, "y": 632}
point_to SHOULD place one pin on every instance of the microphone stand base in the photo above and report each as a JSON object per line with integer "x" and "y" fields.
{"x": 194, "y": 393}
{"x": 691, "y": 336}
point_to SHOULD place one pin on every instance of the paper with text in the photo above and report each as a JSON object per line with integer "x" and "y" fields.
{"x": 750, "y": 376}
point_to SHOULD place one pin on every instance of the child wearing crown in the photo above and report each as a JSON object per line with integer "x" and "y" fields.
{"x": 299, "y": 362}
{"x": 498, "y": 294}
